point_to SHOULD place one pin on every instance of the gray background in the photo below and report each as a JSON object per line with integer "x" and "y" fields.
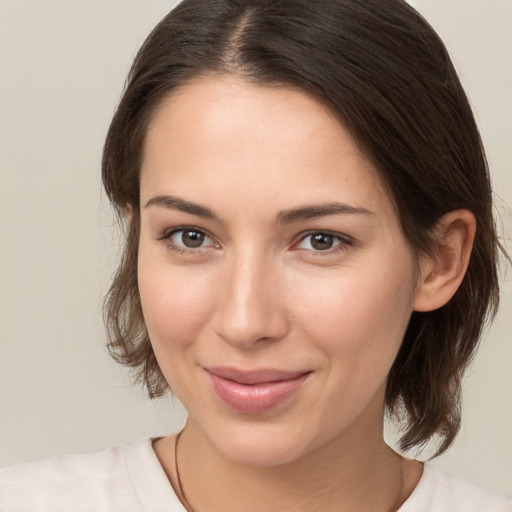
{"x": 62, "y": 67}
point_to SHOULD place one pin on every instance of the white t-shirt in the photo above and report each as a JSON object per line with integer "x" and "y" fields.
{"x": 131, "y": 479}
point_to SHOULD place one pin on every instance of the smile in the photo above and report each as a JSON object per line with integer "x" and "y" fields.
{"x": 253, "y": 392}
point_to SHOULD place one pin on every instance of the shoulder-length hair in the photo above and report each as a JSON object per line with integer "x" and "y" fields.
{"x": 382, "y": 69}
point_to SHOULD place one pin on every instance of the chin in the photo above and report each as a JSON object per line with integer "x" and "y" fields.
{"x": 260, "y": 444}
{"x": 261, "y": 454}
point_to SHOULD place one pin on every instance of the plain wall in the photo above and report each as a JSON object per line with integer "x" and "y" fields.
{"x": 62, "y": 68}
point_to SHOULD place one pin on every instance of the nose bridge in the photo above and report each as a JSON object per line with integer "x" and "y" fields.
{"x": 250, "y": 308}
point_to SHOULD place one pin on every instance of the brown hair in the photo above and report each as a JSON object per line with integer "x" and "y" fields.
{"x": 384, "y": 71}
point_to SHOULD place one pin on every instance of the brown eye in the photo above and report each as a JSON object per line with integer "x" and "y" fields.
{"x": 191, "y": 238}
{"x": 322, "y": 241}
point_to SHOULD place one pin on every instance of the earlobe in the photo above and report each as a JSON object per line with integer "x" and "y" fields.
{"x": 441, "y": 274}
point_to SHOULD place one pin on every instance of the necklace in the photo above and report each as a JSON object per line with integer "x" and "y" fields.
{"x": 394, "y": 507}
{"x": 178, "y": 477}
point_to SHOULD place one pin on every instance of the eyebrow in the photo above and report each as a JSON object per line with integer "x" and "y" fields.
{"x": 320, "y": 210}
{"x": 176, "y": 203}
{"x": 285, "y": 217}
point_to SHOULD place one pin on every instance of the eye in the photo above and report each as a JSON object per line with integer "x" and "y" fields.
{"x": 323, "y": 241}
{"x": 189, "y": 238}
{"x": 186, "y": 239}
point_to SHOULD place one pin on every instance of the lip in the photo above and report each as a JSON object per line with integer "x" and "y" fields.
{"x": 254, "y": 391}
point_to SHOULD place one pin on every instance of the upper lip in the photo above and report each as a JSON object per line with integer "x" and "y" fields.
{"x": 256, "y": 376}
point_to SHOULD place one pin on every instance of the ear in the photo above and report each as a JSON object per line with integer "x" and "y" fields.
{"x": 442, "y": 273}
{"x": 128, "y": 212}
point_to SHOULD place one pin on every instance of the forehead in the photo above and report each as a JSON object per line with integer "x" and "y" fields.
{"x": 260, "y": 142}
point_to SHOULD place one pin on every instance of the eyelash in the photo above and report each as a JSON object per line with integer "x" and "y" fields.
{"x": 166, "y": 238}
{"x": 344, "y": 242}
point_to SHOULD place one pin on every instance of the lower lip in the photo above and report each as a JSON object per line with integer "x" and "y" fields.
{"x": 257, "y": 398}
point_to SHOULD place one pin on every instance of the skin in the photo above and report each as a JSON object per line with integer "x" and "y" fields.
{"x": 259, "y": 294}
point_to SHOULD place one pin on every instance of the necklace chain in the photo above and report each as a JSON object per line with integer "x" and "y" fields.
{"x": 178, "y": 476}
{"x": 394, "y": 507}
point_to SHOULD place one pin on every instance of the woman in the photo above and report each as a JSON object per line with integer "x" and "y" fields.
{"x": 310, "y": 244}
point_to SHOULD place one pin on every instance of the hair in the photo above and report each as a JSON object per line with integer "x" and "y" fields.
{"x": 382, "y": 69}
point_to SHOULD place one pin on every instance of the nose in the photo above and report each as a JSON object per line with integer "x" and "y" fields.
{"x": 250, "y": 309}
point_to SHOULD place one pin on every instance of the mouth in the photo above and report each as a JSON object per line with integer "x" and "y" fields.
{"x": 254, "y": 391}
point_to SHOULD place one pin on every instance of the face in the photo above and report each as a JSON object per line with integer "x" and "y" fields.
{"x": 275, "y": 281}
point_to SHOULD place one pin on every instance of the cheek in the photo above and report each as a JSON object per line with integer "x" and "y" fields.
{"x": 175, "y": 302}
{"x": 355, "y": 315}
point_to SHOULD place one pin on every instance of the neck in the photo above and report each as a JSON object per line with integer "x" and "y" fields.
{"x": 344, "y": 474}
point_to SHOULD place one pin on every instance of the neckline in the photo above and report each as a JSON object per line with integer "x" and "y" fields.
{"x": 154, "y": 488}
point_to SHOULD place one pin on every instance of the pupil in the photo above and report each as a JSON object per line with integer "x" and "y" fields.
{"x": 322, "y": 242}
{"x": 192, "y": 238}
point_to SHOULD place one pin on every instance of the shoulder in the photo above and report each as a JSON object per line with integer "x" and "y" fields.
{"x": 441, "y": 491}
{"x": 80, "y": 482}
